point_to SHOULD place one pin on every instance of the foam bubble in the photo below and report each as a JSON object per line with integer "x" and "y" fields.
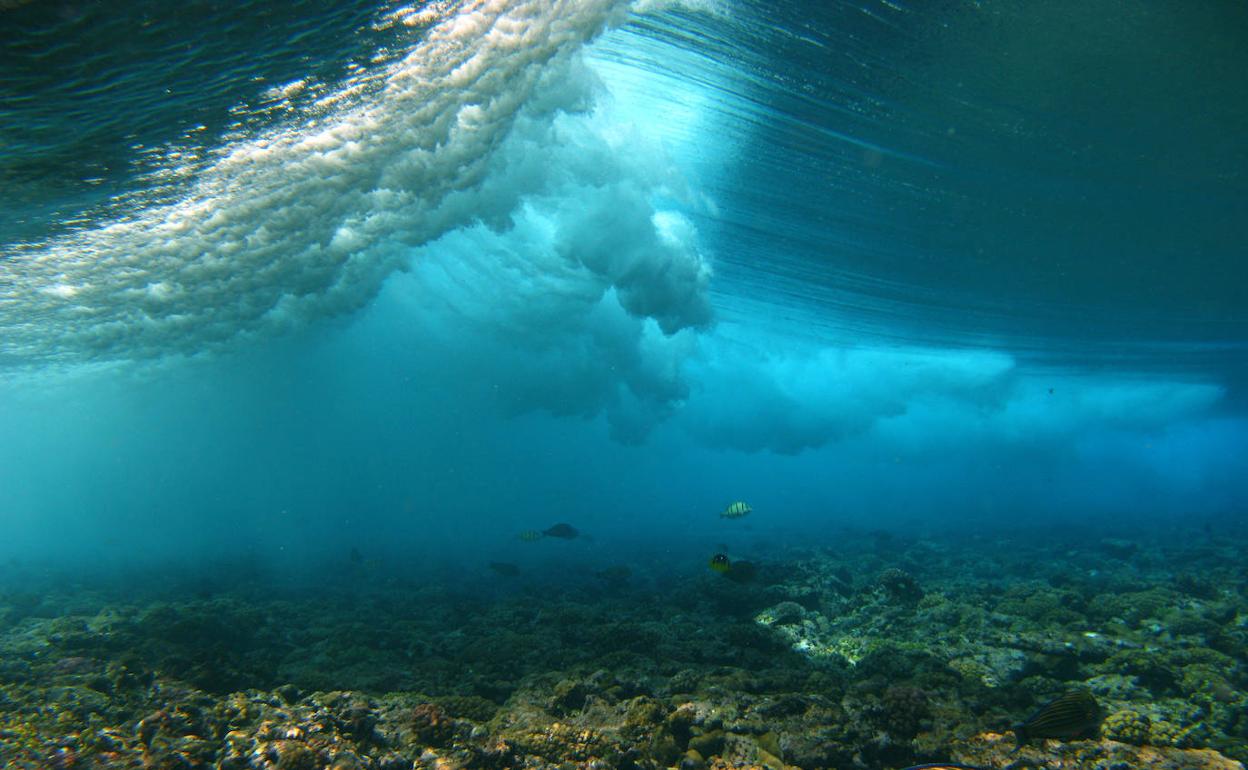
{"x": 308, "y": 219}
{"x": 585, "y": 299}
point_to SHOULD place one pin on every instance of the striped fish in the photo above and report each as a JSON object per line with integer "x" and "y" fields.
{"x": 1073, "y": 714}
{"x": 736, "y": 510}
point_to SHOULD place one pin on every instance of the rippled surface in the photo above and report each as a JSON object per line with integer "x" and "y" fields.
{"x": 1058, "y": 175}
{"x": 1065, "y": 179}
{"x": 94, "y": 94}
{"x": 304, "y": 218}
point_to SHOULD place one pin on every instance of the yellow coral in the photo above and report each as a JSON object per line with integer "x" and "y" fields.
{"x": 1127, "y": 726}
{"x": 1165, "y": 733}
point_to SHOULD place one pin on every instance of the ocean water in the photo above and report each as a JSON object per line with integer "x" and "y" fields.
{"x": 346, "y": 296}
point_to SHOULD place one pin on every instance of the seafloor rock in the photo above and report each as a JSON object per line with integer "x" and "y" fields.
{"x": 899, "y": 587}
{"x": 991, "y": 666}
{"x": 383, "y": 679}
{"x": 782, "y": 614}
{"x": 432, "y": 725}
{"x": 996, "y": 750}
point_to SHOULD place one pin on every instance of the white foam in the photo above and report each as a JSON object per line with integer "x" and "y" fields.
{"x": 308, "y": 219}
{"x": 581, "y": 301}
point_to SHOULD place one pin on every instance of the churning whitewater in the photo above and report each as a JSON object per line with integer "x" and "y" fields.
{"x": 308, "y": 218}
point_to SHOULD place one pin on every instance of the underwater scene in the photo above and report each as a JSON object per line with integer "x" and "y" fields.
{"x": 639, "y": 384}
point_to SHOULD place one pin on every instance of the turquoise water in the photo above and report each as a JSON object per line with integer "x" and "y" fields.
{"x": 293, "y": 278}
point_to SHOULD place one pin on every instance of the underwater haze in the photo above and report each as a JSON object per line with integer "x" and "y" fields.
{"x": 276, "y": 275}
{"x": 370, "y": 295}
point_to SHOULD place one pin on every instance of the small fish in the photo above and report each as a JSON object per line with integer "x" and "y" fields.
{"x": 355, "y": 556}
{"x": 530, "y": 535}
{"x": 1074, "y": 714}
{"x": 944, "y": 766}
{"x": 720, "y": 563}
{"x": 565, "y": 531}
{"x": 735, "y": 510}
{"x": 505, "y": 569}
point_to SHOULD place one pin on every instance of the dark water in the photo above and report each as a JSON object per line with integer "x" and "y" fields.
{"x": 349, "y": 295}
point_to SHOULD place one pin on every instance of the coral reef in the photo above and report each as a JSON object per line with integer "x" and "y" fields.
{"x": 831, "y": 658}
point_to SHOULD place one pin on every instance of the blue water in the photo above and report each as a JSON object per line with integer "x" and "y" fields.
{"x": 291, "y": 278}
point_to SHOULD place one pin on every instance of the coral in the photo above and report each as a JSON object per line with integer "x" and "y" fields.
{"x": 1163, "y": 733}
{"x": 1127, "y": 726}
{"x": 351, "y": 714}
{"x": 1151, "y": 671}
{"x": 784, "y": 613}
{"x": 899, "y": 587}
{"x": 1040, "y": 603}
{"x": 707, "y": 743}
{"x": 570, "y": 695}
{"x": 471, "y": 707}
{"x": 991, "y": 666}
{"x": 905, "y": 709}
{"x": 797, "y": 669}
{"x": 432, "y": 725}
{"x": 994, "y": 750}
{"x": 1196, "y": 585}
{"x": 645, "y": 713}
{"x": 1130, "y": 607}
{"x": 1113, "y": 686}
{"x": 293, "y": 755}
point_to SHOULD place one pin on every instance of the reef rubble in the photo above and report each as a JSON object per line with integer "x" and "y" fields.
{"x": 878, "y": 654}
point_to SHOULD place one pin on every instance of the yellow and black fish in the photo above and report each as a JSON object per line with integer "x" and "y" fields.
{"x": 561, "y": 531}
{"x": 1072, "y": 715}
{"x": 736, "y": 510}
{"x": 737, "y": 572}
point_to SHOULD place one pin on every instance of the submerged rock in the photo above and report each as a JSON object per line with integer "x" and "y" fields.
{"x": 996, "y": 750}
{"x": 796, "y": 672}
{"x": 899, "y": 587}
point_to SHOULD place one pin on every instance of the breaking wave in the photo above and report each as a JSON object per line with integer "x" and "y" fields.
{"x": 471, "y": 129}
